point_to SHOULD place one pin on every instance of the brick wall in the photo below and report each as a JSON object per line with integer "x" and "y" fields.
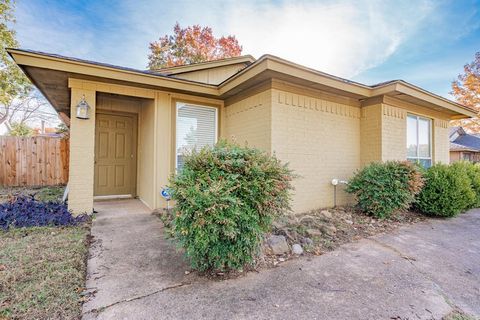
{"x": 370, "y": 134}
{"x": 441, "y": 146}
{"x": 321, "y": 141}
{"x": 82, "y": 141}
{"x": 394, "y": 133}
{"x": 249, "y": 120}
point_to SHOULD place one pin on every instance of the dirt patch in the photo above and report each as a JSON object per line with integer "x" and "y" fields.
{"x": 53, "y": 193}
{"x": 458, "y": 315}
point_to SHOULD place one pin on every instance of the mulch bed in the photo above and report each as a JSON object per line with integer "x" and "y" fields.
{"x": 323, "y": 230}
{"x": 320, "y": 231}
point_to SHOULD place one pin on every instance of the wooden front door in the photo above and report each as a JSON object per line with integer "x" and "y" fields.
{"x": 115, "y": 156}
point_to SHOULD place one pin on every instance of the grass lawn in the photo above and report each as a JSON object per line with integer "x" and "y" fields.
{"x": 42, "y": 272}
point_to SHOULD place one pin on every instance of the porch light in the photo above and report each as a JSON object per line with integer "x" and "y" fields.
{"x": 83, "y": 109}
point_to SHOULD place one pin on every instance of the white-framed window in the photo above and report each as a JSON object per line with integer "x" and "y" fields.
{"x": 467, "y": 156}
{"x": 419, "y": 140}
{"x": 196, "y": 127}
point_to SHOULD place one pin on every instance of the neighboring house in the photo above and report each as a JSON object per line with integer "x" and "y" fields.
{"x": 47, "y": 132}
{"x": 464, "y": 146}
{"x": 324, "y": 126}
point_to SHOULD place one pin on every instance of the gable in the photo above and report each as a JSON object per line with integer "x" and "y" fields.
{"x": 214, "y": 75}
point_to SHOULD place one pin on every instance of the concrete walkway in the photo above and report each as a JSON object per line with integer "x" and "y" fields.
{"x": 420, "y": 272}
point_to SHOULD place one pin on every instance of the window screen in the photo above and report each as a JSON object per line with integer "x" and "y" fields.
{"x": 196, "y": 127}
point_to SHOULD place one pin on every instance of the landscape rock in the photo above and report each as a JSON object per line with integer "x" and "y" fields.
{"x": 349, "y": 221}
{"x": 314, "y": 232}
{"x": 330, "y": 230}
{"x": 307, "y": 241}
{"x": 278, "y": 244}
{"x": 326, "y": 214}
{"x": 279, "y": 224}
{"x": 297, "y": 249}
{"x": 307, "y": 220}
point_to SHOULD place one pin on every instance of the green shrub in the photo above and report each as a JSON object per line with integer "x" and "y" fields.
{"x": 473, "y": 173}
{"x": 226, "y": 198}
{"x": 382, "y": 188}
{"x": 447, "y": 191}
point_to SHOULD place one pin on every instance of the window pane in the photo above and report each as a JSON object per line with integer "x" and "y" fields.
{"x": 424, "y": 137}
{"x": 426, "y": 163}
{"x": 196, "y": 128}
{"x": 411, "y": 136}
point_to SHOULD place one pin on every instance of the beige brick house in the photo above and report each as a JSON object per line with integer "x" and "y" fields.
{"x": 140, "y": 122}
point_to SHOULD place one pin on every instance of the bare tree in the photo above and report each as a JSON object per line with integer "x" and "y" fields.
{"x": 26, "y": 109}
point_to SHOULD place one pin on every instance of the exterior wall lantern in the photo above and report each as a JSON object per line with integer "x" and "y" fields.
{"x": 83, "y": 109}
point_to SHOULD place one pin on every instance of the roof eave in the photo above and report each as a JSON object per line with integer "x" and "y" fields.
{"x": 264, "y": 63}
{"x": 402, "y": 87}
{"x": 273, "y": 63}
{"x": 26, "y": 58}
{"x": 413, "y": 90}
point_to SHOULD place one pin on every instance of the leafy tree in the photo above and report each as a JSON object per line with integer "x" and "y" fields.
{"x": 192, "y": 44}
{"x": 13, "y": 83}
{"x": 62, "y": 128}
{"x": 20, "y": 130}
{"x": 466, "y": 90}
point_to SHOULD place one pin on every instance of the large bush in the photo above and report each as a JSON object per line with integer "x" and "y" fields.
{"x": 473, "y": 173}
{"x": 25, "y": 211}
{"x": 382, "y": 188}
{"x": 447, "y": 191}
{"x": 226, "y": 198}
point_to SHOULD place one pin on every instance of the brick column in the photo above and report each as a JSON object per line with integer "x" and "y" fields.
{"x": 82, "y": 150}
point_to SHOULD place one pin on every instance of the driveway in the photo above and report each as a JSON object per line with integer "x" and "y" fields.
{"x": 422, "y": 271}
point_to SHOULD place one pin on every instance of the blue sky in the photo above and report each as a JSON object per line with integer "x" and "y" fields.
{"x": 424, "y": 42}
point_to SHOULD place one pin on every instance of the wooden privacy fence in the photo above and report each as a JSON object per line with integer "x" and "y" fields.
{"x": 33, "y": 161}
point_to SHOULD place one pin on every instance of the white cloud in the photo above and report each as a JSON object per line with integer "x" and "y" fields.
{"x": 343, "y": 38}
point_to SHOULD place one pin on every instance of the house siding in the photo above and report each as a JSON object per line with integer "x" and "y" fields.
{"x": 164, "y": 160}
{"x": 455, "y": 156}
{"x": 146, "y": 149}
{"x": 322, "y": 136}
{"x": 321, "y": 141}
